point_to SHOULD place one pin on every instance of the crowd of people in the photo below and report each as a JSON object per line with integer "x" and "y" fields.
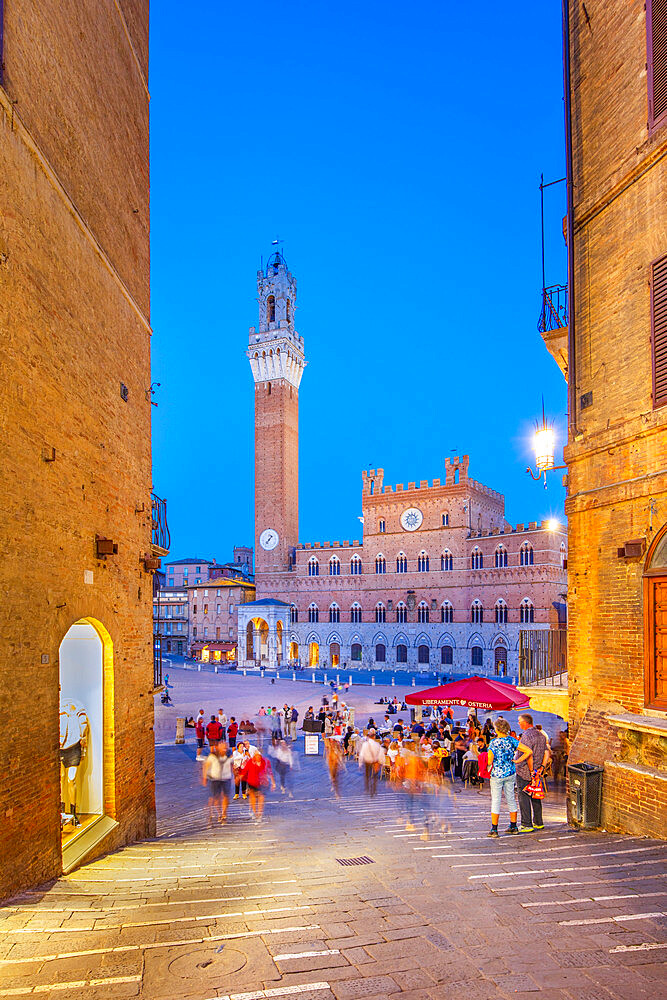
{"x": 236, "y": 767}
{"x": 426, "y": 759}
{"x": 422, "y": 758}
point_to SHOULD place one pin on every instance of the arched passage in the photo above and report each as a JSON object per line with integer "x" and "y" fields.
{"x": 87, "y": 764}
{"x": 257, "y": 640}
{"x": 313, "y": 654}
{"x": 334, "y": 653}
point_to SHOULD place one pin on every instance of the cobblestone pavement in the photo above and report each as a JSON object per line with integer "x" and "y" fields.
{"x": 250, "y": 911}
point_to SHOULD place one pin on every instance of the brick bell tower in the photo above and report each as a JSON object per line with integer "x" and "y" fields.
{"x": 276, "y": 355}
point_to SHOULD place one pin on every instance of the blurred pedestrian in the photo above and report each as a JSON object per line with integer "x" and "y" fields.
{"x": 371, "y": 758}
{"x": 212, "y": 777}
{"x": 258, "y": 775}
{"x": 283, "y": 763}
{"x": 232, "y": 731}
{"x": 333, "y": 755}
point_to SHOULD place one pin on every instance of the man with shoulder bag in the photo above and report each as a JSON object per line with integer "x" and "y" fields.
{"x": 531, "y": 805}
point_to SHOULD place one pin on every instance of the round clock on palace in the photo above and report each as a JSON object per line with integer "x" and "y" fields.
{"x": 269, "y": 539}
{"x": 411, "y": 519}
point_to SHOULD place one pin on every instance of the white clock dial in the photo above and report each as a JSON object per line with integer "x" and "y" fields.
{"x": 269, "y": 539}
{"x": 411, "y": 519}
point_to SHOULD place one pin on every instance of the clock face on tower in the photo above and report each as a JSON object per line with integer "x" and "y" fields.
{"x": 411, "y": 519}
{"x": 268, "y": 539}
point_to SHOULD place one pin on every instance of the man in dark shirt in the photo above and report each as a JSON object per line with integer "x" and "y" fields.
{"x": 531, "y": 809}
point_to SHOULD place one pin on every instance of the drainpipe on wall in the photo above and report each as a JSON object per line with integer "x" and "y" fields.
{"x": 571, "y": 342}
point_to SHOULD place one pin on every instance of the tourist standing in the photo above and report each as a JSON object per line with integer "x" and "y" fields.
{"x": 293, "y": 719}
{"x": 531, "y": 809}
{"x": 502, "y": 767}
{"x": 213, "y": 731}
{"x": 232, "y": 731}
{"x": 200, "y": 733}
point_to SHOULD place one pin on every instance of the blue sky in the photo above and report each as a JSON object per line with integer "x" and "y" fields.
{"x": 397, "y": 151}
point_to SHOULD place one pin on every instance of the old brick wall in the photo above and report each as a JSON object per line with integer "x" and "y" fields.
{"x": 617, "y": 452}
{"x": 276, "y": 473}
{"x": 73, "y": 303}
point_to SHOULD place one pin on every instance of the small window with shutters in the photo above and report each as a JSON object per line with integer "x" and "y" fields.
{"x": 656, "y": 63}
{"x": 659, "y": 327}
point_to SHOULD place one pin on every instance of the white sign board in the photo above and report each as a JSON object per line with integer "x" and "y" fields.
{"x": 312, "y": 744}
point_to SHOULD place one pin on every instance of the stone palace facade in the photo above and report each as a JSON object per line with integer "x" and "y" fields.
{"x": 440, "y": 580}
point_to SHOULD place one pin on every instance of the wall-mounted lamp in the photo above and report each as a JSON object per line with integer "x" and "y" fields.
{"x": 544, "y": 445}
{"x": 151, "y": 392}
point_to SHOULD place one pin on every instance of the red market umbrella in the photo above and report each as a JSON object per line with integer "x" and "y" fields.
{"x": 472, "y": 692}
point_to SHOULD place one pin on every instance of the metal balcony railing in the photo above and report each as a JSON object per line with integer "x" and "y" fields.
{"x": 543, "y": 657}
{"x": 554, "y": 314}
{"x": 161, "y": 537}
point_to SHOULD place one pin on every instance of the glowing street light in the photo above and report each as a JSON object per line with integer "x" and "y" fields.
{"x": 544, "y": 445}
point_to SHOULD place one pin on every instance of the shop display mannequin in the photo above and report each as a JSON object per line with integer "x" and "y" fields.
{"x": 73, "y": 745}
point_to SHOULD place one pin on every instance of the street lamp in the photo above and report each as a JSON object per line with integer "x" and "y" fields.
{"x": 544, "y": 445}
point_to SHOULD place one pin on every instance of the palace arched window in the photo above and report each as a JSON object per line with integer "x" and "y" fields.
{"x": 401, "y": 653}
{"x": 271, "y": 309}
{"x": 446, "y": 612}
{"x": 526, "y": 611}
{"x": 501, "y": 612}
{"x": 355, "y": 612}
{"x": 501, "y": 557}
{"x": 355, "y": 650}
{"x": 526, "y": 555}
{"x": 380, "y": 564}
{"x": 313, "y": 567}
{"x": 313, "y": 613}
{"x": 293, "y": 614}
{"x": 422, "y": 562}
{"x": 446, "y": 560}
{"x": 445, "y": 520}
{"x": 355, "y": 565}
{"x": 446, "y": 656}
{"x": 380, "y": 652}
{"x": 334, "y": 566}
{"x": 476, "y": 613}
{"x": 382, "y": 526}
{"x": 422, "y": 612}
{"x": 563, "y": 555}
{"x": 423, "y": 654}
{"x": 380, "y": 614}
{"x": 401, "y": 563}
{"x": 401, "y": 612}
{"x": 334, "y": 613}
{"x": 476, "y": 559}
{"x": 477, "y": 656}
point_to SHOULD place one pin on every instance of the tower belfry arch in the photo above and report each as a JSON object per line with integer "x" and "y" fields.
{"x": 276, "y": 356}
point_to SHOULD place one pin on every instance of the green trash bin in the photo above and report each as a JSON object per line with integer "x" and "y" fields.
{"x": 585, "y": 792}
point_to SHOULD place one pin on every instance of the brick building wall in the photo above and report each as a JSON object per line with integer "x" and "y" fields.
{"x": 357, "y": 592}
{"x": 75, "y": 457}
{"x": 617, "y": 448}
